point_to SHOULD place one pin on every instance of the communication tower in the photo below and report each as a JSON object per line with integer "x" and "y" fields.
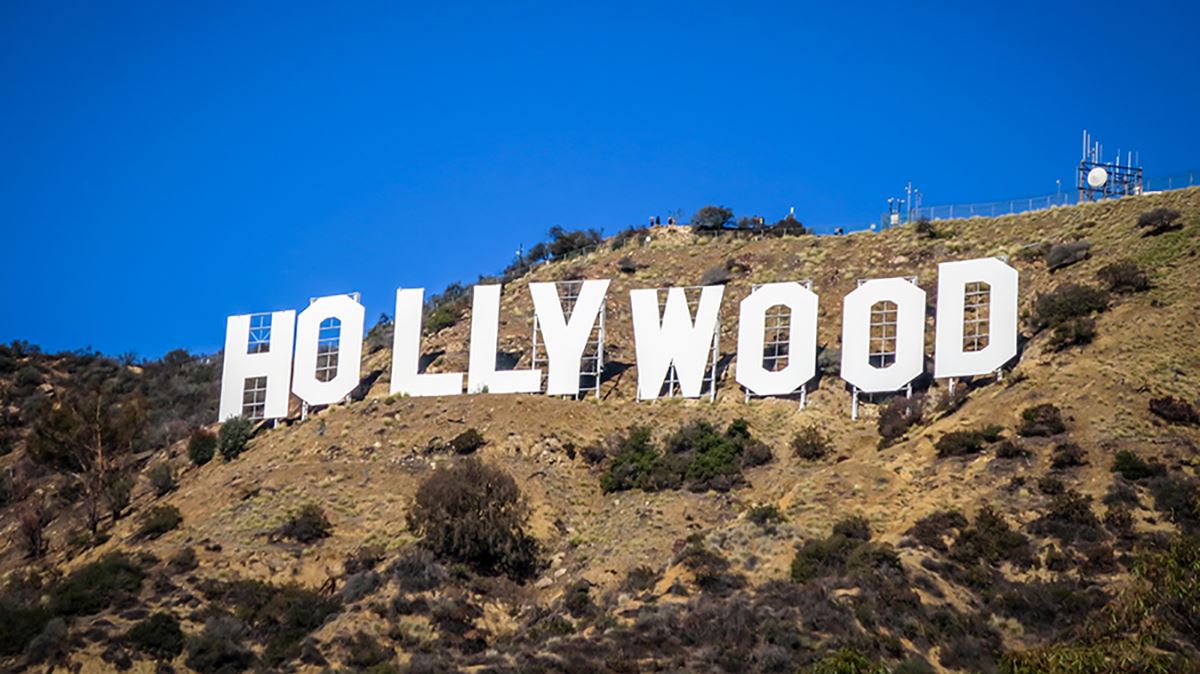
{"x": 1098, "y": 179}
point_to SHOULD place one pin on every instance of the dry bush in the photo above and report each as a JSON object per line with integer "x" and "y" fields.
{"x": 1159, "y": 221}
{"x": 1124, "y": 276}
{"x": 158, "y": 521}
{"x": 306, "y": 525}
{"x": 474, "y": 513}
{"x": 1041, "y": 421}
{"x": 713, "y": 276}
{"x": 467, "y": 442}
{"x": 1175, "y": 410}
{"x": 32, "y": 521}
{"x": 1066, "y": 254}
{"x": 1067, "y": 302}
{"x": 811, "y": 443}
{"x": 1072, "y": 332}
{"x": 1067, "y": 455}
{"x": 162, "y": 478}
{"x": 898, "y": 416}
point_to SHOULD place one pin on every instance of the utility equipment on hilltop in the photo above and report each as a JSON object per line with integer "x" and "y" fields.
{"x": 1097, "y": 179}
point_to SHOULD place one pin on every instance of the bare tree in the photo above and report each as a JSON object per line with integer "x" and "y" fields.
{"x": 87, "y": 433}
{"x": 31, "y": 525}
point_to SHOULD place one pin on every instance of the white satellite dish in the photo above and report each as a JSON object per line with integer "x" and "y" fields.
{"x": 1097, "y": 177}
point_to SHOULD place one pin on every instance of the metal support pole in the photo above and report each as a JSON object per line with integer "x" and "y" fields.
{"x": 600, "y": 350}
{"x": 716, "y": 352}
{"x": 854, "y": 404}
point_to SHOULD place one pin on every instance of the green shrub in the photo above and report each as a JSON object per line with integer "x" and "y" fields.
{"x": 637, "y": 464}
{"x": 162, "y": 478}
{"x": 1177, "y": 497}
{"x": 696, "y": 454}
{"x": 1050, "y": 485}
{"x": 110, "y": 580}
{"x": 577, "y": 599}
{"x": 1041, "y": 421}
{"x": 822, "y": 557}
{"x": 202, "y": 446}
{"x": 306, "y": 525}
{"x": 845, "y": 661}
{"x": 474, "y": 513}
{"x": 1124, "y": 276}
{"x": 467, "y": 442}
{"x": 158, "y": 521}
{"x": 564, "y": 243}
{"x": 1069, "y": 519}
{"x": 234, "y": 434}
{"x": 1065, "y": 303}
{"x": 159, "y": 636}
{"x": 118, "y": 492}
{"x": 933, "y": 529}
{"x": 1124, "y": 656}
{"x": 811, "y": 443}
{"x": 19, "y": 625}
{"x": 991, "y": 540}
{"x": 1159, "y": 220}
{"x": 1068, "y": 455}
{"x": 710, "y": 570}
{"x": 1010, "y": 449}
{"x": 960, "y": 443}
{"x": 765, "y": 514}
{"x": 991, "y": 433}
{"x": 282, "y": 615}
{"x": 1133, "y": 467}
{"x": 639, "y": 579}
{"x": 1072, "y": 332}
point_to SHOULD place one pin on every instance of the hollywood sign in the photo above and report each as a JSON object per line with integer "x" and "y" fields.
{"x": 317, "y": 354}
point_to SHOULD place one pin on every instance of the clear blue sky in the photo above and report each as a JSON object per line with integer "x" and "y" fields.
{"x": 163, "y": 165}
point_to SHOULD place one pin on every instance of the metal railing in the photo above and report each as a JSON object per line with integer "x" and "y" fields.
{"x": 988, "y": 209}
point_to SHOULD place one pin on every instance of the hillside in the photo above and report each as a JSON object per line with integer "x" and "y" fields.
{"x": 1024, "y": 553}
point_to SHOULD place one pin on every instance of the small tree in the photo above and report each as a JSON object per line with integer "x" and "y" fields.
{"x": 474, "y": 513}
{"x": 31, "y": 527}
{"x": 234, "y": 435}
{"x": 712, "y": 218}
{"x": 117, "y": 493}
